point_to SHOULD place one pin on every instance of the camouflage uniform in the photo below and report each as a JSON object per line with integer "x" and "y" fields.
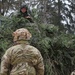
{"x": 25, "y": 14}
{"x": 22, "y": 59}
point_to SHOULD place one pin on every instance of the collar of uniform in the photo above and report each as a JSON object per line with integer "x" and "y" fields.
{"x": 22, "y": 42}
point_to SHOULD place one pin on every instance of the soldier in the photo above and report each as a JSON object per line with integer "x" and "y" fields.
{"x": 24, "y": 13}
{"x": 22, "y": 58}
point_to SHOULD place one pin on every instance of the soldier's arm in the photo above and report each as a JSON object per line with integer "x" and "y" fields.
{"x": 29, "y": 18}
{"x": 40, "y": 65}
{"x": 5, "y": 63}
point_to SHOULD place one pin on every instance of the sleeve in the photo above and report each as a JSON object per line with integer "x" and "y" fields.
{"x": 40, "y": 65}
{"x": 30, "y": 20}
{"x": 5, "y": 64}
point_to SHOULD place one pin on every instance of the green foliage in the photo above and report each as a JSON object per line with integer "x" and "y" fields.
{"x": 57, "y": 49}
{"x": 11, "y": 24}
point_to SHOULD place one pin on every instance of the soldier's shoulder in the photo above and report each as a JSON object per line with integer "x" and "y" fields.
{"x": 32, "y": 48}
{"x": 13, "y": 47}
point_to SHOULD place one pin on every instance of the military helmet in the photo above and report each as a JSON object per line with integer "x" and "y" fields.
{"x": 24, "y": 6}
{"x": 21, "y": 34}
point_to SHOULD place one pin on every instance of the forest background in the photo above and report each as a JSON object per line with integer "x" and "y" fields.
{"x": 53, "y": 31}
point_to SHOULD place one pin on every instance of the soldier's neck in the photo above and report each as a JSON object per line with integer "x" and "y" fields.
{"x": 21, "y": 42}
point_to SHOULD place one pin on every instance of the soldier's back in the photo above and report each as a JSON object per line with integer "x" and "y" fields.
{"x": 23, "y": 59}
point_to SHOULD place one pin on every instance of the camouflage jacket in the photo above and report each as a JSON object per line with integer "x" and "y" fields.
{"x": 22, "y": 59}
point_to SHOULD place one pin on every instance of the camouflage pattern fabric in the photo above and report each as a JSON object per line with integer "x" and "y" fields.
{"x": 21, "y": 34}
{"x": 22, "y": 59}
